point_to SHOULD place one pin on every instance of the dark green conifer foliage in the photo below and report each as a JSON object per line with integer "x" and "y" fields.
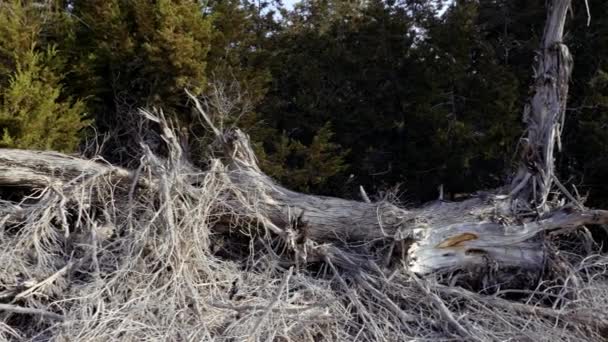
{"x": 35, "y": 111}
{"x": 242, "y": 51}
{"x": 306, "y": 168}
{"x": 239, "y": 44}
{"x": 413, "y": 97}
{"x": 138, "y": 53}
{"x": 236, "y": 62}
{"x": 584, "y": 161}
{"x": 476, "y": 102}
{"x": 416, "y": 98}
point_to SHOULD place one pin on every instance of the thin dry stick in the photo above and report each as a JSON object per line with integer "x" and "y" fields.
{"x": 30, "y": 311}
{"x": 567, "y": 193}
{"x": 446, "y": 314}
{"x": 403, "y": 316}
{"x": 588, "y": 12}
{"x": 364, "y": 194}
{"x": 46, "y": 281}
{"x": 246, "y": 308}
{"x": 350, "y": 292}
{"x": 276, "y": 299}
{"x": 204, "y": 114}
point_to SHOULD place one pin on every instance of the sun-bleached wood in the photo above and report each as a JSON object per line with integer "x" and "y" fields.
{"x": 485, "y": 232}
{"x": 545, "y": 114}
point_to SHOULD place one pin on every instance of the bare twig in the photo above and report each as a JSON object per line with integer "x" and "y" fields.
{"x": 267, "y": 311}
{"x": 364, "y": 194}
{"x": 30, "y": 311}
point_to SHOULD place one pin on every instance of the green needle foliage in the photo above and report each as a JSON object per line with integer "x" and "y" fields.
{"x": 129, "y": 54}
{"x": 35, "y": 111}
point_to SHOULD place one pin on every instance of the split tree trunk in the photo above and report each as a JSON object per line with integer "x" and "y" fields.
{"x": 484, "y": 236}
{"x": 544, "y": 116}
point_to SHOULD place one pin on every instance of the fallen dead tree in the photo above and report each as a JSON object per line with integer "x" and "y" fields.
{"x": 91, "y": 251}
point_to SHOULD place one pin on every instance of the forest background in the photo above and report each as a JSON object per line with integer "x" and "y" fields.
{"x": 335, "y": 94}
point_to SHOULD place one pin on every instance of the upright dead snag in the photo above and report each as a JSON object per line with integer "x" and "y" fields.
{"x": 544, "y": 115}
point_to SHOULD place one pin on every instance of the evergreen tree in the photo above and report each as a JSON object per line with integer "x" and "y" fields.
{"x": 35, "y": 111}
{"x": 412, "y": 96}
{"x": 238, "y": 48}
{"x": 584, "y": 161}
{"x": 306, "y": 168}
{"x": 242, "y": 51}
{"x": 475, "y": 102}
{"x": 416, "y": 98}
{"x": 338, "y": 62}
{"x": 137, "y": 53}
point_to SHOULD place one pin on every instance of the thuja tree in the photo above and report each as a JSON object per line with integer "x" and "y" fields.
{"x": 35, "y": 111}
{"x": 123, "y": 55}
{"x": 418, "y": 98}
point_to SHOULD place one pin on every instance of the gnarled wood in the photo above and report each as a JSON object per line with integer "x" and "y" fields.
{"x": 40, "y": 169}
{"x": 472, "y": 235}
{"x": 544, "y": 116}
{"x": 475, "y": 235}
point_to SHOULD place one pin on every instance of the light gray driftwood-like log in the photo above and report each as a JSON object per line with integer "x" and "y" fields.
{"x": 464, "y": 246}
{"x": 467, "y": 244}
{"x": 446, "y": 236}
{"x": 481, "y": 236}
{"x": 329, "y": 218}
{"x": 475, "y": 235}
{"x": 40, "y": 169}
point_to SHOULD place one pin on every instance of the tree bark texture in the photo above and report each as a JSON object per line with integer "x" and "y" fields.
{"x": 486, "y": 234}
{"x": 544, "y": 115}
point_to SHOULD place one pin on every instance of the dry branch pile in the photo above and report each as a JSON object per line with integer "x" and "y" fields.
{"x": 171, "y": 252}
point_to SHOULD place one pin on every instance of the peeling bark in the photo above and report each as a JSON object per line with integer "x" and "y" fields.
{"x": 544, "y": 116}
{"x": 485, "y": 236}
{"x": 41, "y": 169}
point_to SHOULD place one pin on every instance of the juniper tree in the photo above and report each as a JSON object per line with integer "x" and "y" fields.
{"x": 35, "y": 110}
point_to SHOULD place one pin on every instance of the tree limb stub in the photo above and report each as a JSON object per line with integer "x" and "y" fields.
{"x": 42, "y": 169}
{"x": 30, "y": 311}
{"x": 38, "y": 169}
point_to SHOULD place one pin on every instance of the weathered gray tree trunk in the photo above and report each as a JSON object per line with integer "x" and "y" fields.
{"x": 483, "y": 233}
{"x": 544, "y": 116}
